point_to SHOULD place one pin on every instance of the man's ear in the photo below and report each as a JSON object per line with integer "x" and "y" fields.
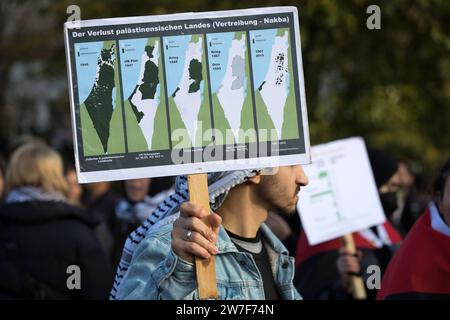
{"x": 256, "y": 179}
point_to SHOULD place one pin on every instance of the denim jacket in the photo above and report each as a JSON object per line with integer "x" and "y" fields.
{"x": 156, "y": 272}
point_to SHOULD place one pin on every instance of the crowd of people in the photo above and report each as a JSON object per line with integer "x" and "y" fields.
{"x": 149, "y": 233}
{"x": 49, "y": 222}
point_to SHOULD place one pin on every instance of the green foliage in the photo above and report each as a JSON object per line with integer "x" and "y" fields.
{"x": 391, "y": 86}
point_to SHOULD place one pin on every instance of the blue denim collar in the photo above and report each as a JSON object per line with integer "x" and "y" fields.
{"x": 224, "y": 243}
{"x": 272, "y": 240}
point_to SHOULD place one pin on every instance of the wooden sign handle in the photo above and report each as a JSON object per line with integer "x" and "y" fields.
{"x": 205, "y": 268}
{"x": 356, "y": 282}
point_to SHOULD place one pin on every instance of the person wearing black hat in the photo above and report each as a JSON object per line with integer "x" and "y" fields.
{"x": 323, "y": 270}
{"x": 387, "y": 178}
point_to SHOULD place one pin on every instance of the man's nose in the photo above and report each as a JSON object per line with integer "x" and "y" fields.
{"x": 302, "y": 179}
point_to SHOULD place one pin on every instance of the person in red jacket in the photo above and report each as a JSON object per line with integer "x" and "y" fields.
{"x": 421, "y": 268}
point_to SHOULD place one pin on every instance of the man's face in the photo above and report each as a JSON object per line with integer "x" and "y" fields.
{"x": 279, "y": 191}
{"x": 137, "y": 189}
{"x": 444, "y": 202}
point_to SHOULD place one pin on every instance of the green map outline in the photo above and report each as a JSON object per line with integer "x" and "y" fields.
{"x": 91, "y": 143}
{"x": 204, "y": 114}
{"x": 247, "y": 121}
{"x": 160, "y": 138}
{"x": 289, "y": 129}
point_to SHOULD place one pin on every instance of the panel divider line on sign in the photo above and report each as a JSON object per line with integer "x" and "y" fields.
{"x": 122, "y": 98}
{"x": 211, "y": 111}
{"x": 250, "y": 64}
{"x": 163, "y": 66}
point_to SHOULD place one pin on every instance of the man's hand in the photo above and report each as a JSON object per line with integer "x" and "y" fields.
{"x": 348, "y": 264}
{"x": 193, "y": 237}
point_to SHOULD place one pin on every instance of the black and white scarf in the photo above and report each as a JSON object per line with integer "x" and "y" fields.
{"x": 136, "y": 213}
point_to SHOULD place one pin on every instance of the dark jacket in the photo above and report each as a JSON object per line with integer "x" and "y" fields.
{"x": 39, "y": 241}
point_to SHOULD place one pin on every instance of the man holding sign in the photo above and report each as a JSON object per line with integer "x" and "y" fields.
{"x": 190, "y": 94}
{"x": 251, "y": 263}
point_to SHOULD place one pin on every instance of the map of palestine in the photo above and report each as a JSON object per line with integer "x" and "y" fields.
{"x": 162, "y": 93}
{"x": 273, "y": 83}
{"x": 230, "y": 85}
{"x": 101, "y": 117}
{"x": 144, "y": 93}
{"x": 187, "y": 86}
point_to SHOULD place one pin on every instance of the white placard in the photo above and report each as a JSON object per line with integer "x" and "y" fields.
{"x": 341, "y": 196}
{"x": 186, "y": 93}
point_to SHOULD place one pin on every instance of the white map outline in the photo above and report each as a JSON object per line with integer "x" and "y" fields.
{"x": 273, "y": 95}
{"x": 147, "y": 106}
{"x": 188, "y": 104}
{"x": 232, "y": 101}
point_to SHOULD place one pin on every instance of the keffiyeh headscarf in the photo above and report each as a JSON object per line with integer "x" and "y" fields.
{"x": 219, "y": 184}
{"x": 131, "y": 213}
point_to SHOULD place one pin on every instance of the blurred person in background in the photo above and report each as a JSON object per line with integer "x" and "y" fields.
{"x": 101, "y": 201}
{"x": 406, "y": 183}
{"x": 2, "y": 178}
{"x": 413, "y": 199}
{"x": 421, "y": 268}
{"x": 41, "y": 234}
{"x": 75, "y": 190}
{"x": 323, "y": 270}
{"x": 96, "y": 198}
{"x": 135, "y": 208}
{"x": 64, "y": 146}
{"x": 407, "y": 177}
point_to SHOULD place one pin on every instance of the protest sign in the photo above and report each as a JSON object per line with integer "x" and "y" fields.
{"x": 342, "y": 196}
{"x": 186, "y": 93}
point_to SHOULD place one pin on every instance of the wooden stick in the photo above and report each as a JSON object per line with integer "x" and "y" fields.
{"x": 356, "y": 282}
{"x": 205, "y": 268}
